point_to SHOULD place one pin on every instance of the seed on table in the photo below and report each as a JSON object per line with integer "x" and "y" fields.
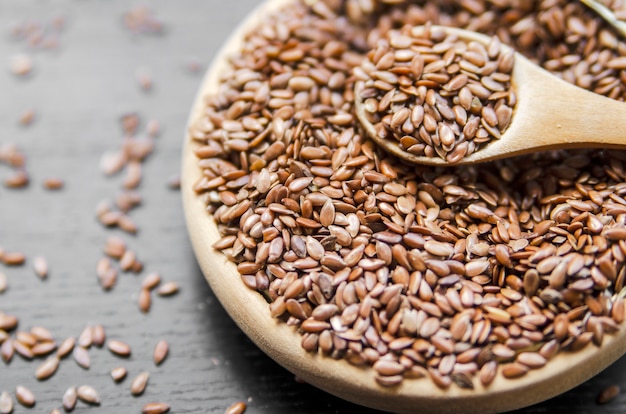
{"x": 118, "y": 374}
{"x": 88, "y": 394}
{"x": 21, "y": 65}
{"x": 8, "y": 322}
{"x": 168, "y": 289}
{"x": 17, "y": 179}
{"x": 153, "y": 128}
{"x": 85, "y": 339}
{"x": 70, "y": 397}
{"x": 138, "y": 385}
{"x": 13, "y": 258}
{"x": 47, "y": 368}
{"x": 55, "y": 411}
{"x": 66, "y": 347}
{"x": 41, "y": 334}
{"x": 119, "y": 348}
{"x": 23, "y": 350}
{"x": 236, "y": 408}
{"x": 6, "y": 403}
{"x": 81, "y": 356}
{"x": 4, "y": 282}
{"x": 43, "y": 348}
{"x": 151, "y": 281}
{"x": 53, "y": 183}
{"x": 98, "y": 335}
{"x": 40, "y": 265}
{"x": 127, "y": 260}
{"x": 127, "y": 224}
{"x": 155, "y": 408}
{"x": 160, "y": 351}
{"x": 144, "y": 300}
{"x": 173, "y": 182}
{"x": 27, "y": 117}
{"x": 115, "y": 247}
{"x": 608, "y": 394}
{"x": 6, "y": 350}
{"x": 24, "y": 396}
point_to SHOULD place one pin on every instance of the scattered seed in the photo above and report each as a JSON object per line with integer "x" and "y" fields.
{"x": 168, "y": 289}
{"x": 119, "y": 348}
{"x": 6, "y": 403}
{"x": 160, "y": 351}
{"x": 21, "y": 65}
{"x": 85, "y": 339}
{"x": 155, "y": 408}
{"x": 236, "y": 408}
{"x": 81, "y": 356}
{"x": 27, "y": 117}
{"x": 70, "y": 397}
{"x": 25, "y": 396}
{"x": 47, "y": 368}
{"x": 88, "y": 394}
{"x": 118, "y": 374}
{"x": 138, "y": 385}
{"x": 66, "y": 347}
{"x": 40, "y": 265}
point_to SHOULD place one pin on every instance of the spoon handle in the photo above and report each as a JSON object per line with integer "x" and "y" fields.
{"x": 607, "y": 14}
{"x": 552, "y": 114}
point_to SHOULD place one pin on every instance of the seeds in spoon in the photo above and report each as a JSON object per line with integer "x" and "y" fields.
{"x": 453, "y": 105}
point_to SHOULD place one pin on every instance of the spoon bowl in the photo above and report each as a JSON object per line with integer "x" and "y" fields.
{"x": 282, "y": 343}
{"x": 550, "y": 114}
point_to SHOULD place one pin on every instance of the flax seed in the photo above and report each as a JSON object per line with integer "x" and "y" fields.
{"x": 155, "y": 408}
{"x": 25, "y": 396}
{"x": 88, "y": 394}
{"x": 138, "y": 385}
{"x": 236, "y": 408}
{"x": 119, "y": 348}
{"x": 70, "y": 397}
{"x": 160, "y": 352}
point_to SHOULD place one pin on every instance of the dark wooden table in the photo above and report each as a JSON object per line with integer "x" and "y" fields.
{"x": 79, "y": 92}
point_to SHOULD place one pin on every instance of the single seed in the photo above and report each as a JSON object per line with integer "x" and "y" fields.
{"x": 53, "y": 183}
{"x": 608, "y": 394}
{"x": 88, "y": 394}
{"x": 160, "y": 351}
{"x": 41, "y": 267}
{"x": 151, "y": 281}
{"x": 167, "y": 289}
{"x": 25, "y": 396}
{"x": 66, "y": 347}
{"x": 47, "y": 368}
{"x": 144, "y": 300}
{"x": 236, "y": 408}
{"x": 119, "y": 348}
{"x": 155, "y": 408}
{"x": 85, "y": 339}
{"x": 70, "y": 397}
{"x": 6, "y": 403}
{"x": 138, "y": 385}
{"x": 98, "y": 335}
{"x": 81, "y": 356}
{"x": 118, "y": 374}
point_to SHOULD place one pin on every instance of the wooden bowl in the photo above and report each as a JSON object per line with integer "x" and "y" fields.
{"x": 282, "y": 343}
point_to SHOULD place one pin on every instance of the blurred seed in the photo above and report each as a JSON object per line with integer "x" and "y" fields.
{"x": 47, "y": 368}
{"x": 138, "y": 386}
{"x": 160, "y": 351}
{"x": 4, "y": 282}
{"x": 608, "y": 394}
{"x": 21, "y": 65}
{"x": 151, "y": 281}
{"x": 236, "y": 408}
{"x": 155, "y": 408}
{"x": 88, "y": 394}
{"x": 40, "y": 265}
{"x": 81, "y": 356}
{"x": 118, "y": 374}
{"x": 98, "y": 335}
{"x": 25, "y": 396}
{"x": 53, "y": 183}
{"x": 144, "y": 300}
{"x": 85, "y": 339}
{"x": 168, "y": 289}
{"x": 70, "y": 397}
{"x": 66, "y": 347}
{"x": 6, "y": 403}
{"x": 119, "y": 348}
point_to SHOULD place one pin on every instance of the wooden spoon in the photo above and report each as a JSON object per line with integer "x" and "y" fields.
{"x": 550, "y": 114}
{"x": 282, "y": 343}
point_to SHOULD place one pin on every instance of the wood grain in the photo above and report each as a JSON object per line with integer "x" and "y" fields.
{"x": 79, "y": 92}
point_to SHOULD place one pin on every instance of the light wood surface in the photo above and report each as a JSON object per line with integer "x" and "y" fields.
{"x": 550, "y": 114}
{"x": 250, "y": 311}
